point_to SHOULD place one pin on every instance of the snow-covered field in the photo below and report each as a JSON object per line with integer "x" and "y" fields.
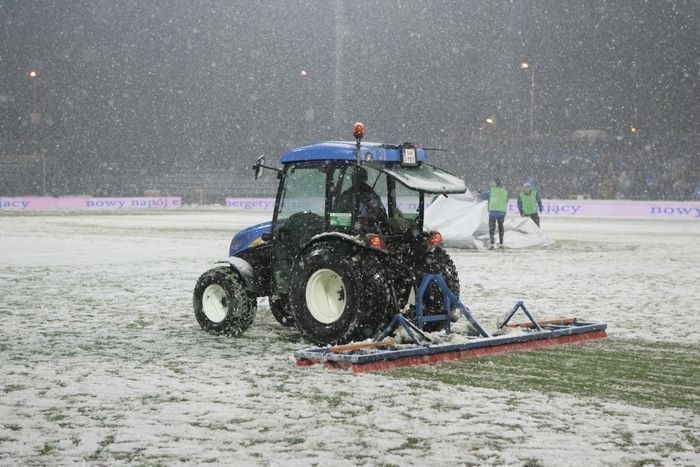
{"x": 102, "y": 361}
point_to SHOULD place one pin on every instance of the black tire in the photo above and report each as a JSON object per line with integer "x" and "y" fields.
{"x": 437, "y": 262}
{"x": 279, "y": 307}
{"x": 222, "y": 306}
{"x": 338, "y": 294}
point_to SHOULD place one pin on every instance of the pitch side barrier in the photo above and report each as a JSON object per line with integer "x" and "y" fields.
{"x": 47, "y": 203}
{"x": 551, "y": 208}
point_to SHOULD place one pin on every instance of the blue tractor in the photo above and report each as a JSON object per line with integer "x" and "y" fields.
{"x": 345, "y": 249}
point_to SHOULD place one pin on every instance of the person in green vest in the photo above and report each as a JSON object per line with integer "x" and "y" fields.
{"x": 497, "y": 197}
{"x": 529, "y": 203}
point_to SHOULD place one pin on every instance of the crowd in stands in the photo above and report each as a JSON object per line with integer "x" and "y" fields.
{"x": 605, "y": 168}
{"x": 590, "y": 169}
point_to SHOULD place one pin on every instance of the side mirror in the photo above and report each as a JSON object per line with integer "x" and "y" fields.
{"x": 258, "y": 167}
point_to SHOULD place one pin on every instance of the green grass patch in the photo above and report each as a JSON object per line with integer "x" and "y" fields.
{"x": 101, "y": 449}
{"x": 294, "y": 440}
{"x": 7, "y": 388}
{"x": 332, "y": 401}
{"x": 47, "y": 449}
{"x": 411, "y": 443}
{"x": 641, "y": 373}
{"x": 693, "y": 440}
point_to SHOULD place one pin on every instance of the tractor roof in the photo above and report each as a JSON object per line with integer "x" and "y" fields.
{"x": 346, "y": 151}
{"x": 387, "y": 158}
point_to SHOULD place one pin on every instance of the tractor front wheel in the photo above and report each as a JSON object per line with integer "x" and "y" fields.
{"x": 221, "y": 303}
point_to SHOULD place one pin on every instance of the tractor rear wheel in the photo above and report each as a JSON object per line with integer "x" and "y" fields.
{"x": 338, "y": 294}
{"x": 437, "y": 262}
{"x": 221, "y": 303}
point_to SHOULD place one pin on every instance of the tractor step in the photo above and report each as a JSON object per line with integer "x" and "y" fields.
{"x": 384, "y": 354}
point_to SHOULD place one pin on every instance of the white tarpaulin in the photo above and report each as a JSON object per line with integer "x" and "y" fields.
{"x": 463, "y": 222}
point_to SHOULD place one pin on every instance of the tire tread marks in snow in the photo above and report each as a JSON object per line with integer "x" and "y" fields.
{"x": 241, "y": 305}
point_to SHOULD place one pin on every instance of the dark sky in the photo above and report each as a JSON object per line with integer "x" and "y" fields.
{"x": 220, "y": 80}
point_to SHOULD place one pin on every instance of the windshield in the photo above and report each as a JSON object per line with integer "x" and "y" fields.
{"x": 426, "y": 178}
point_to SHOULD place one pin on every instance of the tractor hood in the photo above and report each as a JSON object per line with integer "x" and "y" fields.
{"x": 249, "y": 237}
{"x": 425, "y": 178}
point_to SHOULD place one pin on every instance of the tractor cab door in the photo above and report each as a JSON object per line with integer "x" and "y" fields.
{"x": 319, "y": 197}
{"x": 299, "y": 215}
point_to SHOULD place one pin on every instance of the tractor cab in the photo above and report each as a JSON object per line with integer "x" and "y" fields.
{"x": 371, "y": 194}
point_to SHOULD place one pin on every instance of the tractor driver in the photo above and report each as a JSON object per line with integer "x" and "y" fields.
{"x": 371, "y": 212}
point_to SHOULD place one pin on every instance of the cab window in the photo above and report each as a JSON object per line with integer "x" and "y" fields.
{"x": 304, "y": 190}
{"x": 373, "y": 197}
{"x": 407, "y": 202}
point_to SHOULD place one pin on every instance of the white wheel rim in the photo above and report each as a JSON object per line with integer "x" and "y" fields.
{"x": 325, "y": 296}
{"x": 215, "y": 303}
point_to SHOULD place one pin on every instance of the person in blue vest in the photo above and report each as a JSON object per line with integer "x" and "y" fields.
{"x": 529, "y": 203}
{"x": 497, "y": 197}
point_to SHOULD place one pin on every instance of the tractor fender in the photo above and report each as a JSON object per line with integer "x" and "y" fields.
{"x": 246, "y": 272}
{"x": 339, "y": 237}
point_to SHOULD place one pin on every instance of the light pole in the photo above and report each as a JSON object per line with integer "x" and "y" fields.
{"x": 34, "y": 117}
{"x": 309, "y": 113}
{"x": 527, "y": 67}
{"x": 35, "y": 120}
{"x": 340, "y": 35}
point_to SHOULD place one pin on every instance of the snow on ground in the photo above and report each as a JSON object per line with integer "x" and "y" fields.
{"x": 102, "y": 361}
